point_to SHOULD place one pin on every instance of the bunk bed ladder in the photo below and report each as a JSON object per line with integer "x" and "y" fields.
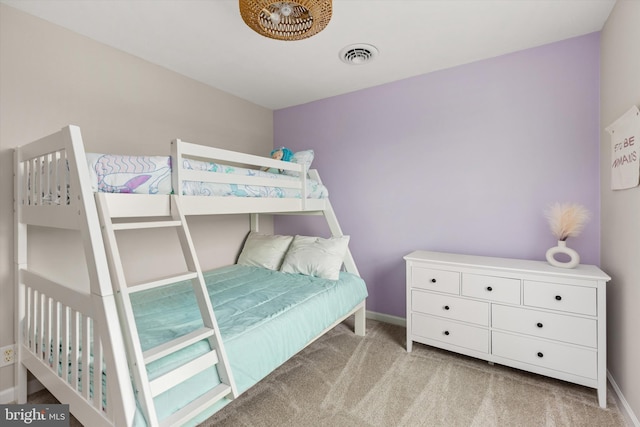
{"x": 147, "y": 389}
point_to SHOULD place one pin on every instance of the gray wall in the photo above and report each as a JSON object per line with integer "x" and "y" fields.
{"x": 51, "y": 77}
{"x": 620, "y": 247}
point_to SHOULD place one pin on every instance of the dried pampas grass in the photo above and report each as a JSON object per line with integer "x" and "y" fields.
{"x": 567, "y": 219}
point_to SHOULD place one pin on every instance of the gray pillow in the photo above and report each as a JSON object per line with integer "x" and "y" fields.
{"x": 264, "y": 250}
{"x": 315, "y": 256}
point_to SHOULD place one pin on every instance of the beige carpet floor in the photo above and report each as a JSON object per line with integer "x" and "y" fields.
{"x": 345, "y": 380}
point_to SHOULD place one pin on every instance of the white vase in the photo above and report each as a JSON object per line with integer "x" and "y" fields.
{"x": 563, "y": 249}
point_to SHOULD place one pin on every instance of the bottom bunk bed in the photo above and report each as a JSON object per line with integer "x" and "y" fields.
{"x": 265, "y": 317}
{"x": 141, "y": 342}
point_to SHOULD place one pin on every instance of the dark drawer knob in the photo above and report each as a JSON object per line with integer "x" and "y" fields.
{"x": 446, "y": 307}
{"x": 489, "y": 288}
{"x": 446, "y": 332}
{"x": 558, "y": 298}
{"x": 433, "y": 280}
{"x": 540, "y": 354}
{"x": 539, "y": 325}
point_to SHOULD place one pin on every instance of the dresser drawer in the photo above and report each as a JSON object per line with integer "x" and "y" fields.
{"x": 450, "y": 307}
{"x": 436, "y": 280}
{"x": 466, "y": 336}
{"x": 577, "y": 361}
{"x": 500, "y": 289}
{"x": 575, "y": 330}
{"x": 554, "y": 296}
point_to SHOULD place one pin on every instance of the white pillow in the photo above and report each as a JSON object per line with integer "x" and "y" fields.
{"x": 303, "y": 158}
{"x": 315, "y": 256}
{"x": 262, "y": 250}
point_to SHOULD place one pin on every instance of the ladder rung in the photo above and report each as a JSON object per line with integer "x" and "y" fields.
{"x": 145, "y": 224}
{"x": 197, "y": 406}
{"x": 176, "y": 344}
{"x": 162, "y": 282}
{"x": 179, "y": 375}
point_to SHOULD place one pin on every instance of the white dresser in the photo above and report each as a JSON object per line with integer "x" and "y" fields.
{"x": 519, "y": 313}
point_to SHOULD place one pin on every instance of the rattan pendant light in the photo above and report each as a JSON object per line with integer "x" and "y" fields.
{"x": 286, "y": 20}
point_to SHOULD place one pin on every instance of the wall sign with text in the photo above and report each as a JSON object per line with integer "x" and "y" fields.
{"x": 625, "y": 150}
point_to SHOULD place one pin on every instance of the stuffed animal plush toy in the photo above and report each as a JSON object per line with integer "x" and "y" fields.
{"x": 281, "y": 153}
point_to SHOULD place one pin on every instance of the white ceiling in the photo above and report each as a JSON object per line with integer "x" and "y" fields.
{"x": 208, "y": 41}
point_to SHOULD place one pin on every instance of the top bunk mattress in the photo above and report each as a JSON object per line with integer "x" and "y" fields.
{"x": 112, "y": 173}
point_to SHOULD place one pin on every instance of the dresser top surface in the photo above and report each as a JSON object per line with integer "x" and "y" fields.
{"x": 582, "y": 271}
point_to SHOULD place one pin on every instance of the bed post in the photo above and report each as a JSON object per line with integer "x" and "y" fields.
{"x": 120, "y": 397}
{"x": 334, "y": 227}
{"x": 255, "y": 222}
{"x": 176, "y": 167}
{"x": 20, "y": 262}
{"x": 349, "y": 263}
{"x": 332, "y": 221}
{"x": 360, "y": 321}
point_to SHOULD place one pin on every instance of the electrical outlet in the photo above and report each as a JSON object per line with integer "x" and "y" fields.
{"x": 7, "y": 355}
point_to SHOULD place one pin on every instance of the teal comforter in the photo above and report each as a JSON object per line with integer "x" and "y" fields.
{"x": 264, "y": 316}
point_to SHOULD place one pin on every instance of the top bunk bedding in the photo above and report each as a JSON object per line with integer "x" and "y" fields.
{"x": 111, "y": 173}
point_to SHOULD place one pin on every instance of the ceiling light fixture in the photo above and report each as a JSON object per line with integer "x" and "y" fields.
{"x": 286, "y": 20}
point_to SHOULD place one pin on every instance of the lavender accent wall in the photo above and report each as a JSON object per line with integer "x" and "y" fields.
{"x": 461, "y": 160}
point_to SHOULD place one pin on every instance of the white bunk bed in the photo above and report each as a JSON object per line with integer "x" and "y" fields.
{"x": 52, "y": 189}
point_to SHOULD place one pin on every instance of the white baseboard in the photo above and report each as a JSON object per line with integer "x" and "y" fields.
{"x": 7, "y": 396}
{"x": 386, "y": 318}
{"x": 626, "y": 410}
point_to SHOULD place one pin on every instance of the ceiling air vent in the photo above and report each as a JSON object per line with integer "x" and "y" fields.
{"x": 357, "y": 54}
